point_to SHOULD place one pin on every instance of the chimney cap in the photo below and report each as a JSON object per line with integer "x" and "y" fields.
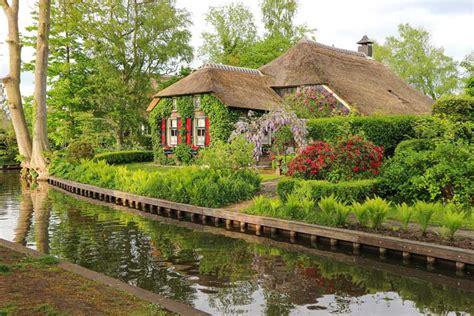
{"x": 365, "y": 40}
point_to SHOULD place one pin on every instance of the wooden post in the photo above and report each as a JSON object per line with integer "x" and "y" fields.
{"x": 193, "y": 217}
{"x": 179, "y": 214}
{"x": 382, "y": 251}
{"x": 314, "y": 241}
{"x": 258, "y": 230}
{"x": 273, "y": 232}
{"x": 243, "y": 227}
{"x": 333, "y": 242}
{"x": 293, "y": 236}
{"x": 460, "y": 266}
{"x": 217, "y": 221}
{"x": 228, "y": 224}
{"x": 204, "y": 219}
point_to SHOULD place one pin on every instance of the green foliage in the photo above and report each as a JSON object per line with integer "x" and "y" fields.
{"x": 405, "y": 213}
{"x": 424, "y": 212}
{"x": 377, "y": 210}
{"x": 183, "y": 154}
{"x": 234, "y": 31}
{"x": 102, "y": 66}
{"x": 356, "y": 190}
{"x": 8, "y": 146}
{"x": 125, "y": 156}
{"x": 222, "y": 118}
{"x": 333, "y": 212}
{"x": 185, "y": 108}
{"x": 453, "y": 220}
{"x": 264, "y": 51}
{"x": 386, "y": 131}
{"x": 202, "y": 187}
{"x": 415, "y": 59}
{"x": 79, "y": 150}
{"x": 455, "y": 107}
{"x": 444, "y": 173}
{"x": 361, "y": 213}
{"x": 4, "y": 269}
{"x": 234, "y": 155}
{"x": 281, "y": 140}
{"x": 414, "y": 145}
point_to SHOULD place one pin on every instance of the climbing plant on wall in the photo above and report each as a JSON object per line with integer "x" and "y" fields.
{"x": 185, "y": 108}
{"x": 222, "y": 118}
{"x": 162, "y": 110}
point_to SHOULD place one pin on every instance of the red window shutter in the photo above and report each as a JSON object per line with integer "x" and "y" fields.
{"x": 163, "y": 132}
{"x": 188, "y": 131}
{"x": 208, "y": 138}
{"x": 179, "y": 131}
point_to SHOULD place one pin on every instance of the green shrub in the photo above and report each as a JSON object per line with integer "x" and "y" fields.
{"x": 453, "y": 220}
{"x": 414, "y": 145}
{"x": 220, "y": 155}
{"x": 191, "y": 185}
{"x": 386, "y": 131}
{"x": 455, "y": 107}
{"x": 183, "y": 154}
{"x": 333, "y": 212}
{"x": 125, "y": 156}
{"x": 377, "y": 210}
{"x": 424, "y": 212}
{"x": 264, "y": 206}
{"x": 405, "y": 213}
{"x": 79, "y": 150}
{"x": 356, "y": 190}
{"x": 361, "y": 213}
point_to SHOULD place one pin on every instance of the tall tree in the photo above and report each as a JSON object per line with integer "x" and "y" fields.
{"x": 278, "y": 18}
{"x": 413, "y": 57}
{"x": 40, "y": 130}
{"x": 468, "y": 65}
{"x": 234, "y": 31}
{"x": 12, "y": 81}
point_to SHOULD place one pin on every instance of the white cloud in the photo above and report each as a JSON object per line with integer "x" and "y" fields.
{"x": 338, "y": 22}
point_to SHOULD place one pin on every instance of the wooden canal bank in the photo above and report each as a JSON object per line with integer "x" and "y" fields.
{"x": 385, "y": 245}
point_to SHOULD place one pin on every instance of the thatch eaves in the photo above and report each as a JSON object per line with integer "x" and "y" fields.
{"x": 234, "y": 86}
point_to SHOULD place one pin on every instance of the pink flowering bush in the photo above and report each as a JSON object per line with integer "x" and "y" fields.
{"x": 350, "y": 158}
{"x": 310, "y": 102}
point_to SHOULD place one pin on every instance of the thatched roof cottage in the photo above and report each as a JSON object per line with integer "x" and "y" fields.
{"x": 354, "y": 78}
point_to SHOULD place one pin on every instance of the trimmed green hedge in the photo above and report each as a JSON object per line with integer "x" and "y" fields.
{"x": 125, "y": 156}
{"x": 455, "y": 107}
{"x": 385, "y": 131}
{"x": 356, "y": 190}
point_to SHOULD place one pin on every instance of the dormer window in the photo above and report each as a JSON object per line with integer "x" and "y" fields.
{"x": 197, "y": 101}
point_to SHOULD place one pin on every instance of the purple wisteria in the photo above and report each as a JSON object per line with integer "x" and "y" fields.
{"x": 256, "y": 129}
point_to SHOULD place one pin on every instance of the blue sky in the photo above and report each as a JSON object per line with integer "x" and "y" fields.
{"x": 338, "y": 22}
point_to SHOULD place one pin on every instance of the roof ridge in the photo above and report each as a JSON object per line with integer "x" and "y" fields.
{"x": 340, "y": 50}
{"x": 231, "y": 68}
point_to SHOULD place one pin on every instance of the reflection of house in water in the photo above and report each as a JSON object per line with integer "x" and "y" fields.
{"x": 298, "y": 284}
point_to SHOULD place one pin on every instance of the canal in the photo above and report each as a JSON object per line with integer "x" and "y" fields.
{"x": 222, "y": 272}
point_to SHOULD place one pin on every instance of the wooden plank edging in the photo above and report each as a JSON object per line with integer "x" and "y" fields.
{"x": 459, "y": 255}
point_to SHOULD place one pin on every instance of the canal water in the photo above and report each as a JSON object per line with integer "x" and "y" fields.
{"x": 222, "y": 274}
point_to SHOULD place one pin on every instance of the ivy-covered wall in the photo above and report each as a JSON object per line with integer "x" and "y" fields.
{"x": 222, "y": 119}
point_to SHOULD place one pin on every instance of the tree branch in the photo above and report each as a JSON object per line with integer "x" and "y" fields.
{"x": 4, "y": 4}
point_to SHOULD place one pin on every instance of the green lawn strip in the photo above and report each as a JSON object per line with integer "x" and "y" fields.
{"x": 42, "y": 287}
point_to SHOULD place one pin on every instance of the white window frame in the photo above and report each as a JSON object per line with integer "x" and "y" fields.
{"x": 173, "y": 140}
{"x": 199, "y": 140}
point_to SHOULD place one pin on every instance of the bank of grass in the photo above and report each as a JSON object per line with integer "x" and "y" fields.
{"x": 38, "y": 286}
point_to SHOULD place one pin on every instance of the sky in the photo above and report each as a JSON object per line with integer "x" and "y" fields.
{"x": 337, "y": 22}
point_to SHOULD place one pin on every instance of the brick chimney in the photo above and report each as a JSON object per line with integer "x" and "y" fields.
{"x": 365, "y": 46}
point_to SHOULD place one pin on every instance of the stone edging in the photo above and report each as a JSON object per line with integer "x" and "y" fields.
{"x": 157, "y": 206}
{"x": 166, "y": 303}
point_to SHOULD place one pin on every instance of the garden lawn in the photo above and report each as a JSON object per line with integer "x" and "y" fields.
{"x": 38, "y": 286}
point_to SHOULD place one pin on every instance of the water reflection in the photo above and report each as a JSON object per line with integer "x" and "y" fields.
{"x": 219, "y": 274}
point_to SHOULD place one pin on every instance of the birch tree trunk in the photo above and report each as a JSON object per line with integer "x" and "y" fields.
{"x": 12, "y": 82}
{"x": 40, "y": 131}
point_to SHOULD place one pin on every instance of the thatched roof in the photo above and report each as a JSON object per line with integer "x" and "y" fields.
{"x": 354, "y": 77}
{"x": 234, "y": 86}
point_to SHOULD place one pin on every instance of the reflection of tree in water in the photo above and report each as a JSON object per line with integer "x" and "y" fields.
{"x": 163, "y": 258}
{"x": 25, "y": 215}
{"x": 39, "y": 198}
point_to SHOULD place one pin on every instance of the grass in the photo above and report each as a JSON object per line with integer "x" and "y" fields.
{"x": 39, "y": 286}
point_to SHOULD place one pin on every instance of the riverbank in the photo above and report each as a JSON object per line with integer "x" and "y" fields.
{"x": 31, "y": 283}
{"x": 266, "y": 225}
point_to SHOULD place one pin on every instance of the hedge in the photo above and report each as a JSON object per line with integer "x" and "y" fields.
{"x": 385, "y": 131}
{"x": 455, "y": 107}
{"x": 191, "y": 185}
{"x": 125, "y": 156}
{"x": 356, "y": 190}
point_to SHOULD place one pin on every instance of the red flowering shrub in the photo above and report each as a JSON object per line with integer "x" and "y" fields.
{"x": 350, "y": 158}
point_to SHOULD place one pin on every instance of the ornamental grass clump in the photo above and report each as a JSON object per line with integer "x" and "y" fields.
{"x": 333, "y": 212}
{"x": 424, "y": 212}
{"x": 405, "y": 213}
{"x": 377, "y": 210}
{"x": 361, "y": 213}
{"x": 453, "y": 220}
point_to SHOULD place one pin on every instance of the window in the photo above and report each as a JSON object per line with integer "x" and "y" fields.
{"x": 197, "y": 101}
{"x": 266, "y": 139}
{"x": 173, "y": 128}
{"x": 200, "y": 131}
